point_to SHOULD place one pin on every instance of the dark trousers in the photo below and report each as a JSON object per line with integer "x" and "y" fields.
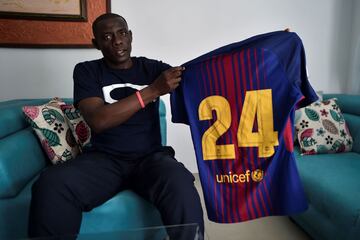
{"x": 63, "y": 192}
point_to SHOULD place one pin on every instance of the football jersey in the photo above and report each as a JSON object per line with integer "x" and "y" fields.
{"x": 239, "y": 101}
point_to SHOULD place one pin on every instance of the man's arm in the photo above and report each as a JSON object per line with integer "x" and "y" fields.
{"x": 101, "y": 117}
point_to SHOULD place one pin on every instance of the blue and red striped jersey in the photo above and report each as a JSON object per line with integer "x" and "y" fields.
{"x": 239, "y": 101}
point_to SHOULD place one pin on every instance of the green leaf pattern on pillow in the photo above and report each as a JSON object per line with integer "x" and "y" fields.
{"x": 311, "y": 114}
{"x": 70, "y": 112}
{"x": 336, "y": 116}
{"x": 51, "y": 115}
{"x": 51, "y": 136}
{"x": 321, "y": 128}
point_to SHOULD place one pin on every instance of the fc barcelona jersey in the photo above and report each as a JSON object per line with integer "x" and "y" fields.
{"x": 239, "y": 101}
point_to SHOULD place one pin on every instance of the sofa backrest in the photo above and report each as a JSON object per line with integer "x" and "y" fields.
{"x": 21, "y": 155}
{"x": 162, "y": 112}
{"x": 350, "y": 107}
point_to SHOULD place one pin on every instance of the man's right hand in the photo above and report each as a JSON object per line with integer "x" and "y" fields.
{"x": 167, "y": 81}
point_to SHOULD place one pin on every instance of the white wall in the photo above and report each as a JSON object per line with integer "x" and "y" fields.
{"x": 177, "y": 31}
{"x": 354, "y": 64}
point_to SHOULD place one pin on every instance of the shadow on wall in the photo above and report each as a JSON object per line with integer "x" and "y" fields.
{"x": 341, "y": 42}
{"x": 354, "y": 66}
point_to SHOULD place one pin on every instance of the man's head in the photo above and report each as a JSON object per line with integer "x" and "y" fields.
{"x": 113, "y": 38}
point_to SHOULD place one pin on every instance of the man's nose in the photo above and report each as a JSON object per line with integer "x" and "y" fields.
{"x": 118, "y": 39}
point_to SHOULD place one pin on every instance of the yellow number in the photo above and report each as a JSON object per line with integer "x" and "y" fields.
{"x": 258, "y": 103}
{"x": 210, "y": 149}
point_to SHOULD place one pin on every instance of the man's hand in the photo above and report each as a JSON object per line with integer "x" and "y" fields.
{"x": 167, "y": 81}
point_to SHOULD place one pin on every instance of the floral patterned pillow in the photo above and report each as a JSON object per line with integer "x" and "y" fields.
{"x": 321, "y": 128}
{"x": 80, "y": 130}
{"x": 49, "y": 124}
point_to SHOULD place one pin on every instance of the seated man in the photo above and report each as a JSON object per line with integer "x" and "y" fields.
{"x": 118, "y": 95}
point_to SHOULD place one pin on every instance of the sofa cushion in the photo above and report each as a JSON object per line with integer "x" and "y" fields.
{"x": 331, "y": 183}
{"x": 49, "y": 124}
{"x": 143, "y": 214}
{"x": 321, "y": 128}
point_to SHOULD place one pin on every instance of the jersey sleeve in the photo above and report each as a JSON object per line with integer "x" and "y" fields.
{"x": 303, "y": 84}
{"x": 297, "y": 71}
{"x": 85, "y": 83}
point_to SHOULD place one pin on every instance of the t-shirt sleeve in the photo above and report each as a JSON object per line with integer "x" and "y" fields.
{"x": 85, "y": 83}
{"x": 177, "y": 102}
{"x": 163, "y": 66}
{"x": 158, "y": 67}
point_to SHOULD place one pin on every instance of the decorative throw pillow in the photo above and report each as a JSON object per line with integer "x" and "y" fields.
{"x": 80, "y": 130}
{"x": 49, "y": 124}
{"x": 321, "y": 128}
{"x": 298, "y": 113}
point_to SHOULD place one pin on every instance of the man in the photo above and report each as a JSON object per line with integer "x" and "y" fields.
{"x": 118, "y": 97}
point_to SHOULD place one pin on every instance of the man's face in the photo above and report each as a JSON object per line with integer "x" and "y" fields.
{"x": 114, "y": 39}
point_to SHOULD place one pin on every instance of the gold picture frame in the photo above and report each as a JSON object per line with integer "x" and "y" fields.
{"x": 67, "y": 10}
{"x": 48, "y": 32}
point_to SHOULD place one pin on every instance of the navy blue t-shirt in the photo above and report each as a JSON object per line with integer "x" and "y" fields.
{"x": 140, "y": 134}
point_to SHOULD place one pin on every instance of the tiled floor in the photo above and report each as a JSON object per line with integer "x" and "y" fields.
{"x": 269, "y": 228}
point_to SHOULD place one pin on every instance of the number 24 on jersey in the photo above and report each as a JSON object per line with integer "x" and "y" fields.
{"x": 257, "y": 104}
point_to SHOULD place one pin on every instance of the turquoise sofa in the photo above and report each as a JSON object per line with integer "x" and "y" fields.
{"x": 21, "y": 160}
{"x": 332, "y": 183}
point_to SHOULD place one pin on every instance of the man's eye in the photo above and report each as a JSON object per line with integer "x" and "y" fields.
{"x": 123, "y": 34}
{"x": 107, "y": 37}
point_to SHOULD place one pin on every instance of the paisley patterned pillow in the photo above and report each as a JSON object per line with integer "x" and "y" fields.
{"x": 321, "y": 128}
{"x": 80, "y": 130}
{"x": 49, "y": 124}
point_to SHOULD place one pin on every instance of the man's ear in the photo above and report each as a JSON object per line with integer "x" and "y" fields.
{"x": 95, "y": 43}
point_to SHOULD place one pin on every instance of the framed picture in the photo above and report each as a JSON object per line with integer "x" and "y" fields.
{"x": 69, "y": 26}
{"x": 68, "y": 10}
